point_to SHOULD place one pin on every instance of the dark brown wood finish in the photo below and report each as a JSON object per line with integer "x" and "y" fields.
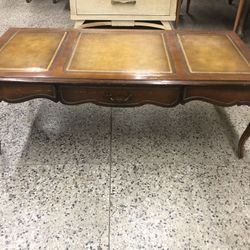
{"x": 181, "y": 73}
{"x": 20, "y": 92}
{"x": 242, "y": 141}
{"x": 178, "y": 85}
{"x": 120, "y": 96}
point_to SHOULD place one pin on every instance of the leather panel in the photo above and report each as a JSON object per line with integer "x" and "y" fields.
{"x": 30, "y": 51}
{"x": 121, "y": 53}
{"x": 212, "y": 54}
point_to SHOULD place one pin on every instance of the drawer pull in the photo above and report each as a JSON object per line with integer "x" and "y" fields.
{"x": 123, "y": 2}
{"x": 118, "y": 99}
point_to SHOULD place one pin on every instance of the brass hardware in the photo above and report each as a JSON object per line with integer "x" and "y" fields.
{"x": 118, "y": 99}
{"x": 123, "y": 2}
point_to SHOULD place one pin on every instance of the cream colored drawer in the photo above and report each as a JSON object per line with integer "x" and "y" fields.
{"x": 139, "y": 7}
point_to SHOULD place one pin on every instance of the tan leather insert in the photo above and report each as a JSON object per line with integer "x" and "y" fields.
{"x": 30, "y": 51}
{"x": 212, "y": 54}
{"x": 120, "y": 53}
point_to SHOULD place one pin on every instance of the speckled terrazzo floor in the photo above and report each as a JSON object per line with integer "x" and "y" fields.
{"x": 89, "y": 177}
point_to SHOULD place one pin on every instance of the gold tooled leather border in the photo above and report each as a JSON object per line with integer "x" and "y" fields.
{"x": 32, "y": 69}
{"x": 215, "y": 72}
{"x": 118, "y": 71}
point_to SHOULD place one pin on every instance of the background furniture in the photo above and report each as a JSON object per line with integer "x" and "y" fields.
{"x": 28, "y": 1}
{"x": 238, "y": 15}
{"x": 121, "y": 68}
{"x": 67, "y": 6}
{"x": 237, "y": 19}
{"x": 244, "y": 17}
{"x": 123, "y": 12}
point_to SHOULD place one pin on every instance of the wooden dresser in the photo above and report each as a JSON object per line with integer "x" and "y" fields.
{"x": 123, "y": 12}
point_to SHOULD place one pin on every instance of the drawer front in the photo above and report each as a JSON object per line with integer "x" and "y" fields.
{"x": 218, "y": 95}
{"x": 123, "y": 7}
{"x": 15, "y": 93}
{"x": 123, "y": 96}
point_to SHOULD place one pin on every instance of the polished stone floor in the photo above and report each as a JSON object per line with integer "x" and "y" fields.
{"x": 89, "y": 177}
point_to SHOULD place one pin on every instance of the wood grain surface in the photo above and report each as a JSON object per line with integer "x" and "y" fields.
{"x": 121, "y": 68}
{"x": 141, "y": 56}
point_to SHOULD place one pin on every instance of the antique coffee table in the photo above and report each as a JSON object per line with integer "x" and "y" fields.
{"x": 125, "y": 68}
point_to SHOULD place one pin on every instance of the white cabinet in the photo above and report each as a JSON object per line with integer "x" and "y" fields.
{"x": 123, "y": 11}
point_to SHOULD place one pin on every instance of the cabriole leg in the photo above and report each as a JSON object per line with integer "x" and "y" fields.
{"x": 242, "y": 141}
{"x": 188, "y": 6}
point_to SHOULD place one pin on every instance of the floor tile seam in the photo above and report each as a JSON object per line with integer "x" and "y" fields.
{"x": 110, "y": 175}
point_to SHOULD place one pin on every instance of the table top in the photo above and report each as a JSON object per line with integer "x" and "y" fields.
{"x": 123, "y": 56}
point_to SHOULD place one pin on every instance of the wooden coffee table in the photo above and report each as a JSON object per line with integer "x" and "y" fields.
{"x": 125, "y": 68}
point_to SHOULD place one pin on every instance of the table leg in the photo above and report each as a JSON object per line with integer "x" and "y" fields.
{"x": 238, "y": 15}
{"x": 67, "y": 5}
{"x": 244, "y": 16}
{"x": 178, "y": 12}
{"x": 188, "y": 6}
{"x": 243, "y": 140}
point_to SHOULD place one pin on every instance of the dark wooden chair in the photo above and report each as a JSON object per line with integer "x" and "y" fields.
{"x": 237, "y": 19}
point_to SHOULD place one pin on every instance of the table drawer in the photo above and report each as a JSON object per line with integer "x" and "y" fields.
{"x": 21, "y": 92}
{"x": 124, "y": 7}
{"x": 123, "y": 96}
